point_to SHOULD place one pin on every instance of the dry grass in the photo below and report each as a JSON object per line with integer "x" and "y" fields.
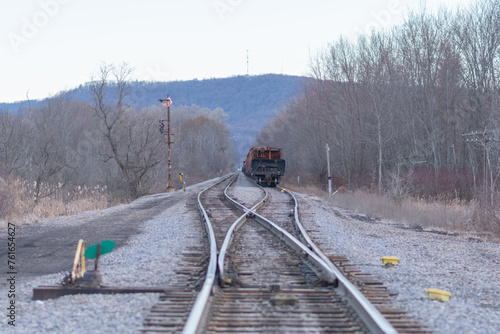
{"x": 17, "y": 201}
{"x": 451, "y": 216}
{"x": 454, "y": 216}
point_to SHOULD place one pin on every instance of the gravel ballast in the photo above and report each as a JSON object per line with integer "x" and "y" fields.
{"x": 466, "y": 265}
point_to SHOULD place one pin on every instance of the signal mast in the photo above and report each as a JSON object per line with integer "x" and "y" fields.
{"x": 166, "y": 103}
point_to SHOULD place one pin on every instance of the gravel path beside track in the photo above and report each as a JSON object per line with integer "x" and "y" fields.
{"x": 463, "y": 264}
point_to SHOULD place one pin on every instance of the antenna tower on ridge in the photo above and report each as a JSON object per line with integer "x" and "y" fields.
{"x": 248, "y": 60}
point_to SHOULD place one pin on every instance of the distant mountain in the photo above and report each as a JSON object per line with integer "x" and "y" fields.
{"x": 250, "y": 102}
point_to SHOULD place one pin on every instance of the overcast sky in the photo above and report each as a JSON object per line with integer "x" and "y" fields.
{"x": 53, "y": 45}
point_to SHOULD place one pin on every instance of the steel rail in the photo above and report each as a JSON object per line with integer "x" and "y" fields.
{"x": 323, "y": 270}
{"x": 234, "y": 227}
{"x": 200, "y": 308}
{"x": 372, "y": 318}
{"x": 366, "y": 311}
{"x": 241, "y": 206}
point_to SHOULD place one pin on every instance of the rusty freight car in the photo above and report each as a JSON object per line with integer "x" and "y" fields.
{"x": 264, "y": 165}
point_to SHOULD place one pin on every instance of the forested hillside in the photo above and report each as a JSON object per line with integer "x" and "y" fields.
{"x": 249, "y": 102}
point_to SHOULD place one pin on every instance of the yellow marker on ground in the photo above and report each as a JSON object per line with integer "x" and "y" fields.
{"x": 441, "y": 295}
{"x": 390, "y": 259}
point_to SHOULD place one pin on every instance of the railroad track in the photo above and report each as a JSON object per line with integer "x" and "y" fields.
{"x": 264, "y": 274}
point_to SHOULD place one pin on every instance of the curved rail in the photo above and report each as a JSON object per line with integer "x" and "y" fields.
{"x": 307, "y": 249}
{"x": 241, "y": 206}
{"x": 323, "y": 270}
{"x": 200, "y": 306}
{"x": 375, "y": 321}
{"x": 234, "y": 227}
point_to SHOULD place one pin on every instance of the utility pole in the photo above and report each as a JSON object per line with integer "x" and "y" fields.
{"x": 329, "y": 176}
{"x": 166, "y": 103}
{"x": 484, "y": 137}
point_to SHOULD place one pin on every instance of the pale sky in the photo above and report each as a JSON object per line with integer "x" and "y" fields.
{"x": 53, "y": 45}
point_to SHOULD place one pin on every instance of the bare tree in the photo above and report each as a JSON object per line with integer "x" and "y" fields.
{"x": 47, "y": 161}
{"x": 376, "y": 77}
{"x": 477, "y": 36}
{"x": 12, "y": 136}
{"x": 43, "y": 149}
{"x": 132, "y": 139}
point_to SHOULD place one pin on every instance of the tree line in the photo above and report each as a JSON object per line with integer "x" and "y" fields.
{"x": 414, "y": 110}
{"x": 66, "y": 143}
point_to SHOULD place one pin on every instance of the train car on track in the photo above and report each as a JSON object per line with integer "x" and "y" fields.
{"x": 264, "y": 165}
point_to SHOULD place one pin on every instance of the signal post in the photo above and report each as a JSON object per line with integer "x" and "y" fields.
{"x": 166, "y": 103}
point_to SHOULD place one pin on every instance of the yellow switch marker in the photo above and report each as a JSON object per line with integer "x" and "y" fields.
{"x": 390, "y": 259}
{"x": 441, "y": 295}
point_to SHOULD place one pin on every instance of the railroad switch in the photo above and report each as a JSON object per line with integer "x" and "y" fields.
{"x": 79, "y": 276}
{"x": 82, "y": 281}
